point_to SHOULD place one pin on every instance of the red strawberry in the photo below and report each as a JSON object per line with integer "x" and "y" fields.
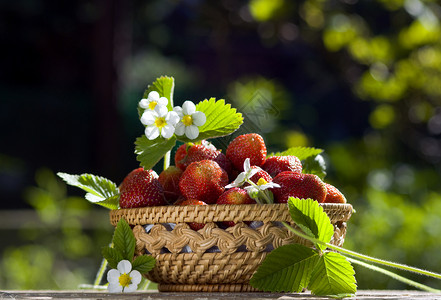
{"x": 234, "y": 196}
{"x": 188, "y": 153}
{"x": 260, "y": 174}
{"x": 299, "y": 185}
{"x": 277, "y": 164}
{"x": 249, "y": 145}
{"x": 169, "y": 179}
{"x": 333, "y": 195}
{"x": 141, "y": 188}
{"x": 193, "y": 225}
{"x": 203, "y": 180}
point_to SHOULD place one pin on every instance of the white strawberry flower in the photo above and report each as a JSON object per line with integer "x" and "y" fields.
{"x": 244, "y": 176}
{"x": 261, "y": 185}
{"x": 153, "y": 99}
{"x": 123, "y": 278}
{"x": 190, "y": 120}
{"x": 159, "y": 121}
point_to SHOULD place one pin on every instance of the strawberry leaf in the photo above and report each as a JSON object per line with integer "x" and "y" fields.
{"x": 222, "y": 120}
{"x": 286, "y": 269}
{"x": 301, "y": 153}
{"x": 144, "y": 263}
{"x": 99, "y": 190}
{"x": 310, "y": 217}
{"x": 333, "y": 275}
{"x": 123, "y": 240}
{"x": 112, "y": 256}
{"x": 149, "y": 152}
{"x": 165, "y": 86}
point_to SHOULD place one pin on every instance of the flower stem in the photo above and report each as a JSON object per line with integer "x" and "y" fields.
{"x": 365, "y": 257}
{"x": 267, "y": 199}
{"x": 100, "y": 274}
{"x": 395, "y": 276}
{"x": 167, "y": 159}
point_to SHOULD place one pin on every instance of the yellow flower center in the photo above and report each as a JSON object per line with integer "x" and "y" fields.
{"x": 160, "y": 122}
{"x": 152, "y": 105}
{"x": 125, "y": 280}
{"x": 187, "y": 120}
{"x": 261, "y": 181}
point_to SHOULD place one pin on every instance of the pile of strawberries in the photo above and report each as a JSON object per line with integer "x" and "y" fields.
{"x": 201, "y": 173}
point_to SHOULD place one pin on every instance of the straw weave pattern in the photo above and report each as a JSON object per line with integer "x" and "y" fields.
{"x": 239, "y": 249}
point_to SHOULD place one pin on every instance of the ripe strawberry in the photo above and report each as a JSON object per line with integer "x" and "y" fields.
{"x": 294, "y": 184}
{"x": 188, "y": 153}
{"x": 260, "y": 174}
{"x": 333, "y": 195}
{"x": 193, "y": 225}
{"x": 141, "y": 188}
{"x": 234, "y": 196}
{"x": 277, "y": 164}
{"x": 249, "y": 145}
{"x": 203, "y": 180}
{"x": 169, "y": 179}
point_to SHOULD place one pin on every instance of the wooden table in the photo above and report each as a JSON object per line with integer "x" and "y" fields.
{"x": 97, "y": 295}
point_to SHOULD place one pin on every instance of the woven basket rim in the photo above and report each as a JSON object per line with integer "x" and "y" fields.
{"x": 219, "y": 212}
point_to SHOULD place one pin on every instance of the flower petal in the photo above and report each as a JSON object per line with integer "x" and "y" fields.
{"x": 180, "y": 128}
{"x": 199, "y": 118}
{"x": 240, "y": 179}
{"x": 172, "y": 118}
{"x": 131, "y": 288}
{"x": 178, "y": 110}
{"x": 113, "y": 276}
{"x": 167, "y": 131}
{"x": 161, "y": 110}
{"x": 153, "y": 96}
{"x": 162, "y": 101}
{"x": 144, "y": 103}
{"x": 124, "y": 266}
{"x": 252, "y": 172}
{"x": 136, "y": 277}
{"x": 148, "y": 117}
{"x": 114, "y": 288}
{"x": 246, "y": 165}
{"x": 151, "y": 132}
{"x": 188, "y": 108}
{"x": 192, "y": 132}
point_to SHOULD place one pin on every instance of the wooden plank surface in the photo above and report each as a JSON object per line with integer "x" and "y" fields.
{"x": 98, "y": 295}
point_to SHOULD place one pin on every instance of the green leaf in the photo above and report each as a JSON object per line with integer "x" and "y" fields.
{"x": 333, "y": 275}
{"x": 311, "y": 218}
{"x": 301, "y": 153}
{"x": 99, "y": 189}
{"x": 314, "y": 165}
{"x": 286, "y": 269}
{"x": 144, "y": 263}
{"x": 165, "y": 86}
{"x": 149, "y": 152}
{"x": 112, "y": 256}
{"x": 222, "y": 120}
{"x": 123, "y": 240}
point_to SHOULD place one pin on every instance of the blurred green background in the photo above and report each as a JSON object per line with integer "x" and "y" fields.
{"x": 358, "y": 78}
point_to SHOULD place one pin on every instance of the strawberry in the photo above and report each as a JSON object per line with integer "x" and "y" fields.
{"x": 234, "y": 196}
{"x": 141, "y": 188}
{"x": 333, "y": 195}
{"x": 299, "y": 185}
{"x": 204, "y": 180}
{"x": 169, "y": 179}
{"x": 188, "y": 153}
{"x": 193, "y": 225}
{"x": 249, "y": 145}
{"x": 277, "y": 164}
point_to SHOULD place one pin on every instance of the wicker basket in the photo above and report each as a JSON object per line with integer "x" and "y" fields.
{"x": 214, "y": 259}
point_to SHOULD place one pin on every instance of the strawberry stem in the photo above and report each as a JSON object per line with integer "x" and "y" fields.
{"x": 167, "y": 159}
